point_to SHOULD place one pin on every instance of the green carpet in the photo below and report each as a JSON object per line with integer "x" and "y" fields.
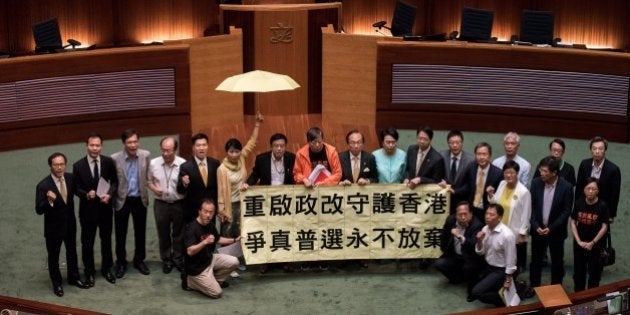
{"x": 380, "y": 289}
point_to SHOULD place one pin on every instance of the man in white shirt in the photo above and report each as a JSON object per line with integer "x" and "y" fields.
{"x": 168, "y": 206}
{"x": 497, "y": 243}
{"x": 511, "y": 143}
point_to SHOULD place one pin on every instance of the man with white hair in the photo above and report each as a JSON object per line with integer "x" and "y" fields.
{"x": 511, "y": 143}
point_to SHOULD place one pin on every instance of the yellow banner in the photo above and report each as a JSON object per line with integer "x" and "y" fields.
{"x": 293, "y": 223}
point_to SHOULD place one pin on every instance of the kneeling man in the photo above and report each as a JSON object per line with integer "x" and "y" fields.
{"x": 207, "y": 271}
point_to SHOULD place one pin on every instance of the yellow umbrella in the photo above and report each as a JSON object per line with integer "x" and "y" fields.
{"x": 258, "y": 81}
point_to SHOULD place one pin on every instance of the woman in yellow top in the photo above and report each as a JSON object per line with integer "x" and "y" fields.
{"x": 517, "y": 203}
{"x": 231, "y": 179}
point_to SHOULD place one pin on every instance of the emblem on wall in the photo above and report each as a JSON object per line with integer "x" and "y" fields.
{"x": 281, "y": 34}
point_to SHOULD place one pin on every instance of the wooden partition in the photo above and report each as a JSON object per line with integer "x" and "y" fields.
{"x": 212, "y": 59}
{"x": 497, "y": 88}
{"x": 54, "y": 99}
{"x": 286, "y": 39}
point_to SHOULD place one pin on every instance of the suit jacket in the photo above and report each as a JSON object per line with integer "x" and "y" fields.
{"x": 84, "y": 181}
{"x": 561, "y": 207}
{"x": 196, "y": 190}
{"x": 367, "y": 166}
{"x": 469, "y": 183}
{"x": 609, "y": 183}
{"x": 143, "y": 167}
{"x": 59, "y": 218}
{"x": 468, "y": 247}
{"x": 465, "y": 160}
{"x": 261, "y": 173}
{"x": 432, "y": 169}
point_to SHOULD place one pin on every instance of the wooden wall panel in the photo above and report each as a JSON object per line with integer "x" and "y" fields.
{"x": 212, "y": 59}
{"x": 4, "y": 23}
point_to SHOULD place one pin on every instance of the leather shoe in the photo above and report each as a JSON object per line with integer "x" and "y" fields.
{"x": 58, "y": 290}
{"x": 224, "y": 284}
{"x": 79, "y": 284}
{"x": 109, "y": 276}
{"x": 89, "y": 280}
{"x": 142, "y": 267}
{"x": 120, "y": 271}
{"x": 167, "y": 267}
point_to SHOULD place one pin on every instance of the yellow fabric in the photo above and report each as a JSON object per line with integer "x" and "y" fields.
{"x": 355, "y": 168}
{"x": 223, "y": 176}
{"x": 63, "y": 190}
{"x": 479, "y": 189}
{"x": 204, "y": 173}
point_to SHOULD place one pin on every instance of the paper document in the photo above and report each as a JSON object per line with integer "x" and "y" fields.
{"x": 509, "y": 295}
{"x": 319, "y": 174}
{"x": 103, "y": 187}
{"x": 233, "y": 250}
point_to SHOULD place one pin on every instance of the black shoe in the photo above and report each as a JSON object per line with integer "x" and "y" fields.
{"x": 142, "y": 267}
{"x": 224, "y": 284}
{"x": 79, "y": 284}
{"x": 120, "y": 271}
{"x": 167, "y": 267}
{"x": 109, "y": 276}
{"x": 58, "y": 290}
{"x": 185, "y": 285}
{"x": 89, "y": 280}
{"x": 179, "y": 266}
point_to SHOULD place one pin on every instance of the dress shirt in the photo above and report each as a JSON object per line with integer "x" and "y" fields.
{"x": 132, "y": 172}
{"x": 523, "y": 173}
{"x": 499, "y": 247}
{"x": 277, "y": 170}
{"x": 597, "y": 170}
{"x": 548, "y": 200}
{"x": 165, "y": 176}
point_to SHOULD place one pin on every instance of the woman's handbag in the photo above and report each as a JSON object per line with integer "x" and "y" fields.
{"x": 607, "y": 255}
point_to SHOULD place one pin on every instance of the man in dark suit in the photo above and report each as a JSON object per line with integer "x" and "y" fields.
{"x": 357, "y": 166}
{"x": 197, "y": 181}
{"x": 552, "y": 201}
{"x": 195, "y": 185}
{"x": 424, "y": 164}
{"x": 54, "y": 199}
{"x": 605, "y": 171}
{"x": 456, "y": 163}
{"x": 480, "y": 175}
{"x": 95, "y": 211}
{"x": 459, "y": 262}
{"x": 273, "y": 167}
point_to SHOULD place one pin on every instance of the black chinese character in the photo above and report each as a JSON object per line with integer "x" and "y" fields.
{"x": 255, "y": 240}
{"x": 305, "y": 204}
{"x": 306, "y": 240}
{"x": 409, "y": 238}
{"x": 432, "y": 237}
{"x": 254, "y": 206}
{"x": 331, "y": 204}
{"x": 382, "y": 234}
{"x": 437, "y": 203}
{"x": 332, "y": 239}
{"x": 357, "y": 239}
{"x": 280, "y": 205}
{"x": 280, "y": 240}
{"x": 383, "y": 203}
{"x": 358, "y": 201}
{"x": 410, "y": 202}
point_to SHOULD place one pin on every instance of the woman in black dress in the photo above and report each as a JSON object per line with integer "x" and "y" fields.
{"x": 589, "y": 222}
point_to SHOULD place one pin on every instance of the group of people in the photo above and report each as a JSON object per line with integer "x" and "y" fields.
{"x": 494, "y": 207}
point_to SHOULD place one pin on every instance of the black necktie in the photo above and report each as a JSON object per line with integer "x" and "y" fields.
{"x": 96, "y": 175}
{"x": 454, "y": 169}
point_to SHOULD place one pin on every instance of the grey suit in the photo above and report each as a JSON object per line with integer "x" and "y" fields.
{"x": 136, "y": 206}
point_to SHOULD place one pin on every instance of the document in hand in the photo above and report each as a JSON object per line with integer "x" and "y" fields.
{"x": 509, "y": 295}
{"x": 103, "y": 187}
{"x": 319, "y": 174}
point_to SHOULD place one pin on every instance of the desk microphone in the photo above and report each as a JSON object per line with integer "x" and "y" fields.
{"x": 379, "y": 24}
